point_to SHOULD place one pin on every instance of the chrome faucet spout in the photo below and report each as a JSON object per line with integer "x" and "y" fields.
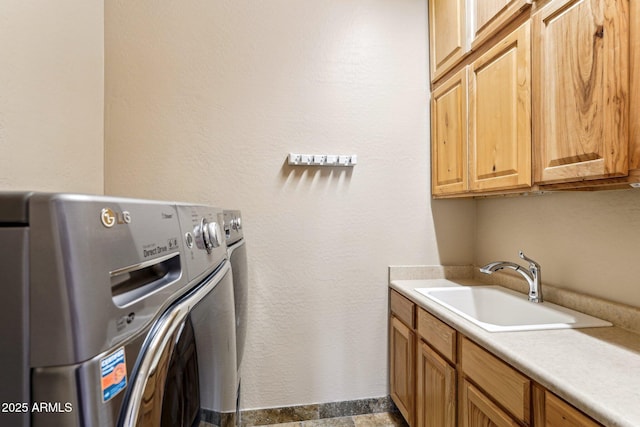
{"x": 531, "y": 275}
{"x": 498, "y": 265}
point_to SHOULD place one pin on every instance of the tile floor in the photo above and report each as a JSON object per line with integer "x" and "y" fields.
{"x": 385, "y": 419}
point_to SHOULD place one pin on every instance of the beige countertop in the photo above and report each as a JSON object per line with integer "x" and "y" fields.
{"x": 595, "y": 369}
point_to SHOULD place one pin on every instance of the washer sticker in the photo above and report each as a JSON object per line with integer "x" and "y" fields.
{"x": 113, "y": 374}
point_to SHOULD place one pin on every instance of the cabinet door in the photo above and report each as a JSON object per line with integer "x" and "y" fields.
{"x": 490, "y": 16}
{"x": 479, "y": 411}
{"x": 436, "y": 390}
{"x": 449, "y": 161}
{"x": 581, "y": 106}
{"x": 447, "y": 35}
{"x": 500, "y": 115}
{"x": 401, "y": 358}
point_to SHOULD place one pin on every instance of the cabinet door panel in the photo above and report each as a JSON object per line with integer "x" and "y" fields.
{"x": 500, "y": 115}
{"x": 436, "y": 390}
{"x": 401, "y": 360}
{"x": 581, "y": 106}
{"x": 449, "y": 136}
{"x": 448, "y": 35}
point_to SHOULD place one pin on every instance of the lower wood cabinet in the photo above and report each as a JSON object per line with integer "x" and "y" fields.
{"x": 440, "y": 378}
{"x": 402, "y": 345}
{"x": 436, "y": 390}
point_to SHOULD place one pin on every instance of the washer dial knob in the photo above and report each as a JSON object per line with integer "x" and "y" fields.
{"x": 236, "y": 224}
{"x": 208, "y": 235}
{"x": 201, "y": 234}
{"x": 215, "y": 235}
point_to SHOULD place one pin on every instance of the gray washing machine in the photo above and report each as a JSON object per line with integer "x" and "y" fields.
{"x": 214, "y": 324}
{"x": 237, "y": 252}
{"x": 118, "y": 312}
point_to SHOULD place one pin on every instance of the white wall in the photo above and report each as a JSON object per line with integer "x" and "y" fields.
{"x": 203, "y": 102}
{"x": 585, "y": 241}
{"x": 51, "y": 95}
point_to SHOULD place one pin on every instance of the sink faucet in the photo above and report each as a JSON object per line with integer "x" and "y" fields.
{"x": 532, "y": 275}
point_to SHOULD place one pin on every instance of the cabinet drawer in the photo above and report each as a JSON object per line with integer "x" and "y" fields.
{"x": 504, "y": 384}
{"x": 402, "y": 308}
{"x": 438, "y": 334}
{"x": 561, "y": 414}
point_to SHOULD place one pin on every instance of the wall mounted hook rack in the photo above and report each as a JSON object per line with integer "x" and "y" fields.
{"x": 322, "y": 160}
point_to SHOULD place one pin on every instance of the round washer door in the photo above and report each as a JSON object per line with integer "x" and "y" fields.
{"x": 166, "y": 391}
{"x": 180, "y": 397}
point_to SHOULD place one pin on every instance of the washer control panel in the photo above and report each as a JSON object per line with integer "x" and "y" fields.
{"x": 232, "y": 226}
{"x": 204, "y": 243}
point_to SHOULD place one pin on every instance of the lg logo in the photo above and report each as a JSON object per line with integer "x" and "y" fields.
{"x": 110, "y": 218}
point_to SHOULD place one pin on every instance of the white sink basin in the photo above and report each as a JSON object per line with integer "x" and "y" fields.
{"x": 498, "y": 309}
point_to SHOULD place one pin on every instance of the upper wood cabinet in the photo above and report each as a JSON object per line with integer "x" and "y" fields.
{"x": 448, "y": 41}
{"x": 634, "y": 87}
{"x": 449, "y": 171}
{"x": 581, "y": 92}
{"x": 500, "y": 114}
{"x": 555, "y": 105}
{"x": 487, "y": 17}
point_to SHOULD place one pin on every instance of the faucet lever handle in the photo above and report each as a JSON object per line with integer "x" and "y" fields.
{"x": 531, "y": 262}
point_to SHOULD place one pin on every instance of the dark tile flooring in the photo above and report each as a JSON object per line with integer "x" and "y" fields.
{"x": 384, "y": 419}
